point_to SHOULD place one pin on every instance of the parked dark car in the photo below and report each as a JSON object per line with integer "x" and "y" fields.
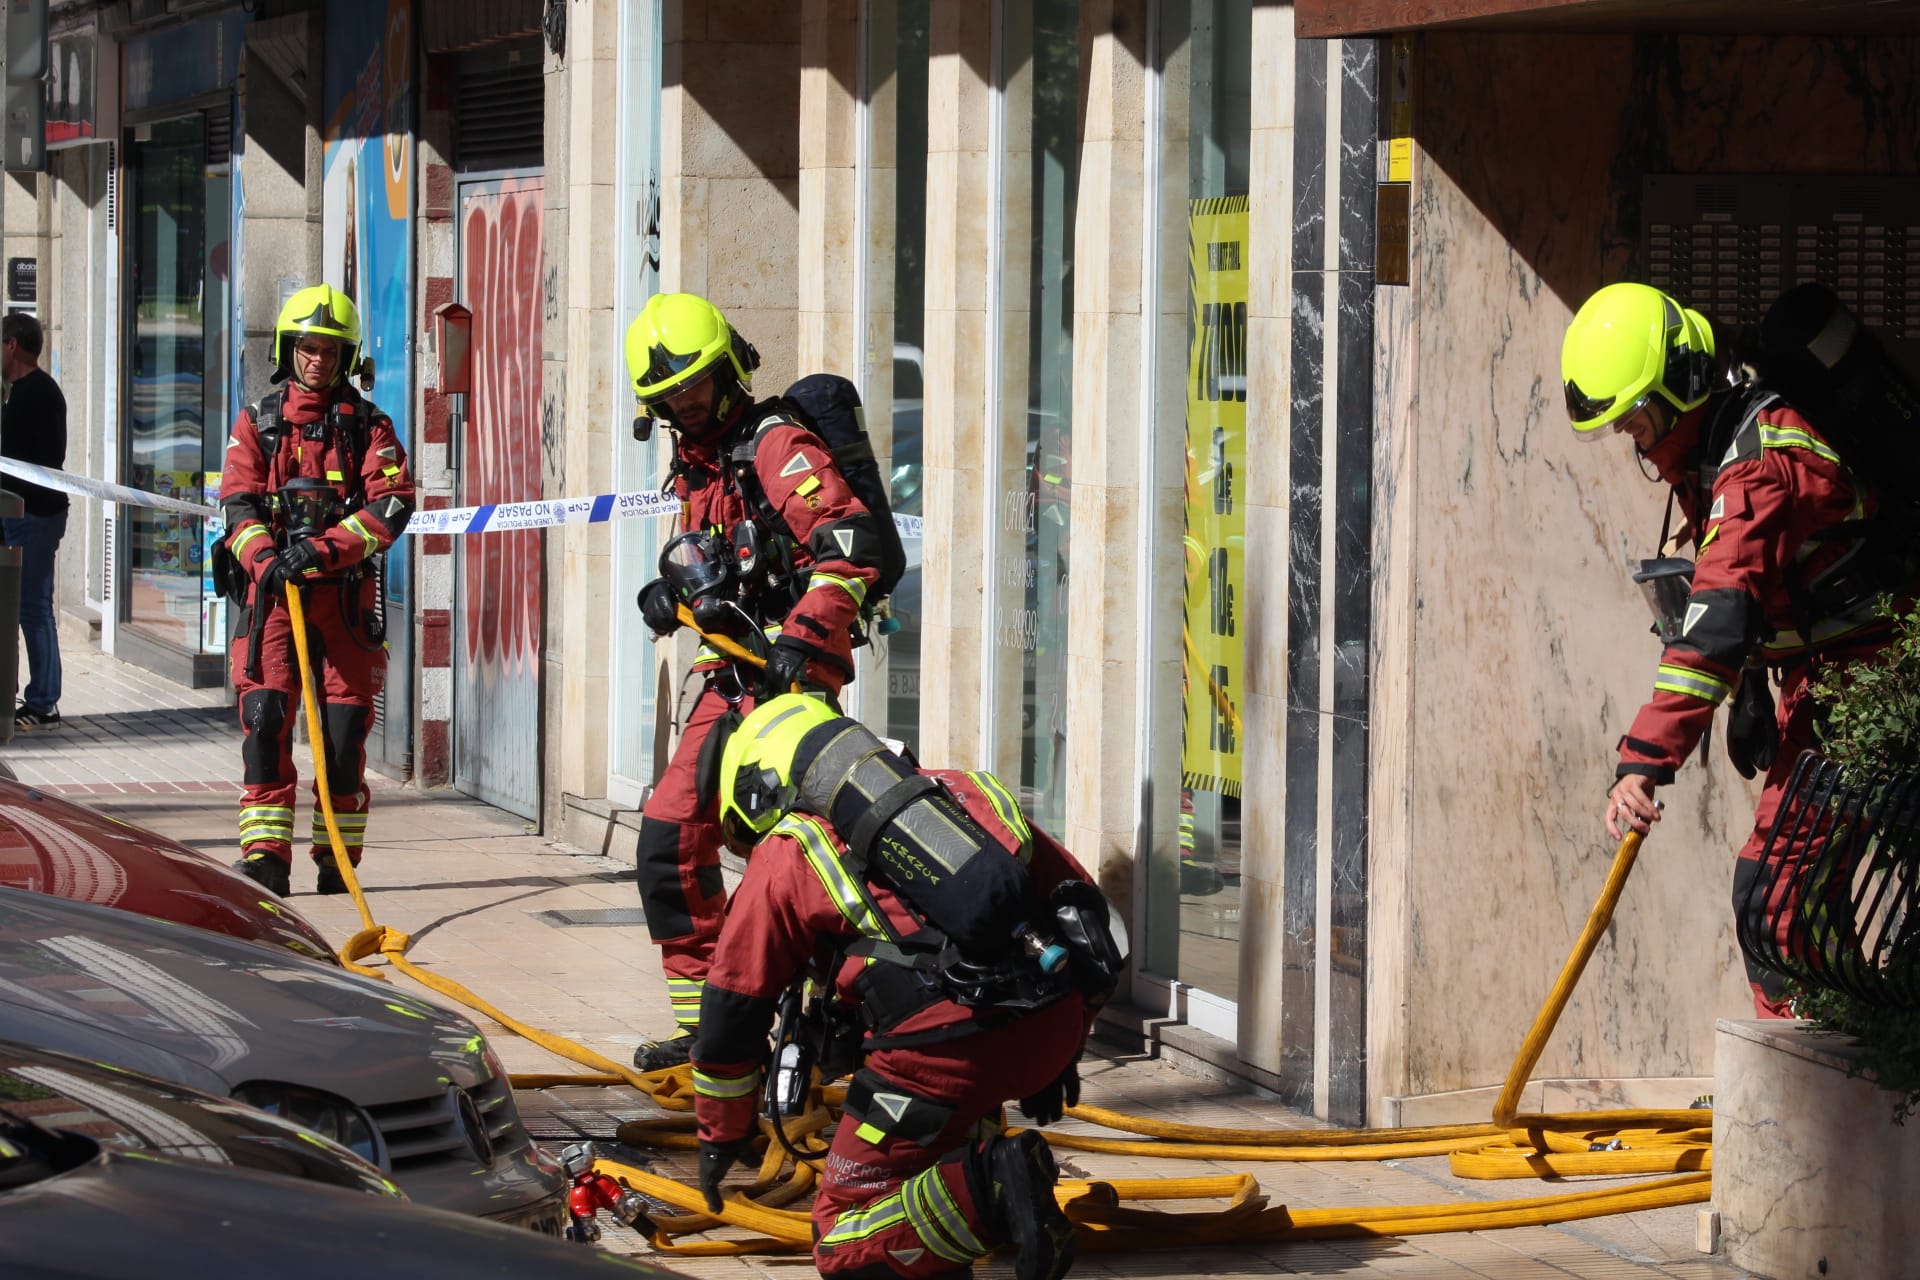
{"x": 126, "y": 1111}
{"x": 76, "y": 1208}
{"x": 407, "y": 1085}
{"x": 53, "y": 846}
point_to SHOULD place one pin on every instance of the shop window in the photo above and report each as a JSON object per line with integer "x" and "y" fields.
{"x": 896, "y": 51}
{"x": 1193, "y": 925}
{"x": 176, "y": 412}
{"x": 1040, "y": 42}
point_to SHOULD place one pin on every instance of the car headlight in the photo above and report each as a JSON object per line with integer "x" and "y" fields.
{"x": 330, "y": 1117}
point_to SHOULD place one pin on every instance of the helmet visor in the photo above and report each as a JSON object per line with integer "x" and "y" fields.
{"x": 1592, "y": 415}
{"x": 688, "y": 394}
{"x": 759, "y": 799}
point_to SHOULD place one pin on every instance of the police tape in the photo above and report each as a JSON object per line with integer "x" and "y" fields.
{"x": 492, "y": 517}
{"x": 88, "y": 487}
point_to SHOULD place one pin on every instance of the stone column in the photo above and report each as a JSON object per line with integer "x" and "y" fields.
{"x": 960, "y": 259}
{"x": 730, "y": 187}
{"x": 830, "y": 249}
{"x": 280, "y": 175}
{"x": 730, "y": 165}
{"x": 1269, "y": 421}
{"x": 1107, "y": 575}
{"x": 829, "y": 337}
{"x": 582, "y": 354}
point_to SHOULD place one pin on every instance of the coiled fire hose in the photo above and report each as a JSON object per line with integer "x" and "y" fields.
{"x": 1677, "y": 1143}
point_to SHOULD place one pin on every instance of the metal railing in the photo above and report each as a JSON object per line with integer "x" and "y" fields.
{"x": 1834, "y": 903}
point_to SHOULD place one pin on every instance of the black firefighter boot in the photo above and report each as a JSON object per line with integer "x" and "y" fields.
{"x": 668, "y": 1051}
{"x": 270, "y": 873}
{"x": 1022, "y": 1209}
{"x": 328, "y": 879}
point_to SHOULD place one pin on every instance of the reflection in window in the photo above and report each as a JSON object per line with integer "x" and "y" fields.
{"x": 897, "y": 47}
{"x": 1193, "y": 893}
{"x": 1041, "y": 61}
{"x": 178, "y": 333}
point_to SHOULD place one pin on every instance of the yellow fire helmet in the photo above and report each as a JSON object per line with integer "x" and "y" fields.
{"x": 680, "y": 338}
{"x": 1629, "y": 342}
{"x": 321, "y": 312}
{"x": 756, "y": 769}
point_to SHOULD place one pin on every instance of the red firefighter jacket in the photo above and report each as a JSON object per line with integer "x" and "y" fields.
{"x": 1757, "y": 524}
{"x": 837, "y": 552}
{"x": 793, "y": 910}
{"x": 334, "y": 435}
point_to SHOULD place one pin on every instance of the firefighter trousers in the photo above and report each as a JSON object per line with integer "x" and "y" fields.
{"x": 679, "y": 858}
{"x": 907, "y": 1189}
{"x": 1795, "y": 720}
{"x": 348, "y": 670}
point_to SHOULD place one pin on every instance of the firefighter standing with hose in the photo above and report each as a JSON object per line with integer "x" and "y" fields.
{"x": 961, "y": 952}
{"x": 316, "y": 488}
{"x": 1763, "y": 497}
{"x": 801, "y": 587}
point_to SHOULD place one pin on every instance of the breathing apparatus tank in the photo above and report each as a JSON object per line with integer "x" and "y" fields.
{"x": 1839, "y": 376}
{"x": 904, "y": 830}
{"x": 1837, "y": 373}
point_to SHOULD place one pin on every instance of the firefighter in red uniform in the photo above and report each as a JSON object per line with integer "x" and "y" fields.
{"x": 1757, "y": 487}
{"x": 693, "y": 372}
{"x": 894, "y": 923}
{"x": 316, "y": 487}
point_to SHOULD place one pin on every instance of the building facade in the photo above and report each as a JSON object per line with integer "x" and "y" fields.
{"x": 1211, "y": 347}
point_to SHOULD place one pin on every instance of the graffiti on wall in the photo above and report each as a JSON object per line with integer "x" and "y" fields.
{"x": 501, "y": 443}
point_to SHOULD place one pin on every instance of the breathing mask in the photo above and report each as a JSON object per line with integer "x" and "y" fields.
{"x": 699, "y": 567}
{"x": 1667, "y": 584}
{"x": 309, "y": 506}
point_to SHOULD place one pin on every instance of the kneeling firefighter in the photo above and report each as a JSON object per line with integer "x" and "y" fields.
{"x": 960, "y": 956}
{"x": 316, "y": 488}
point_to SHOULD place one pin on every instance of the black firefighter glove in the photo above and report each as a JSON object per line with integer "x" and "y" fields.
{"x": 291, "y": 565}
{"x": 715, "y": 1159}
{"x": 1051, "y": 1103}
{"x": 786, "y": 666}
{"x": 660, "y": 608}
{"x": 1752, "y": 733}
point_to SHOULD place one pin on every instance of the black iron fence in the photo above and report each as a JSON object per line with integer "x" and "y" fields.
{"x": 1835, "y": 903}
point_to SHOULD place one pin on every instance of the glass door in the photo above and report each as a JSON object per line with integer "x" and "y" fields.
{"x": 1193, "y": 899}
{"x": 175, "y": 414}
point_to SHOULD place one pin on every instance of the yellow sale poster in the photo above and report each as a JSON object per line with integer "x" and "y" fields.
{"x": 1214, "y": 639}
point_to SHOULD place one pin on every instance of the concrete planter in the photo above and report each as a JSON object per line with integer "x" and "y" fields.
{"x": 1811, "y": 1176}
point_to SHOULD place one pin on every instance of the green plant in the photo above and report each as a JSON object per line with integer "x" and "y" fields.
{"x": 1869, "y": 721}
{"x": 1870, "y": 711}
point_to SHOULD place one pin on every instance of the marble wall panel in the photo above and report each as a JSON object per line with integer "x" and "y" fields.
{"x": 1395, "y": 686}
{"x": 1526, "y": 637}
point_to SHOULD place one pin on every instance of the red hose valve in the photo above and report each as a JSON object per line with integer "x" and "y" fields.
{"x": 592, "y": 1192}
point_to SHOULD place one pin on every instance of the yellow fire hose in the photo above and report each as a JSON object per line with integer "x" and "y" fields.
{"x": 1513, "y": 1145}
{"x": 377, "y": 938}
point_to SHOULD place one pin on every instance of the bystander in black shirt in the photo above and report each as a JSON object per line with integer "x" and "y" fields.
{"x": 33, "y": 428}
